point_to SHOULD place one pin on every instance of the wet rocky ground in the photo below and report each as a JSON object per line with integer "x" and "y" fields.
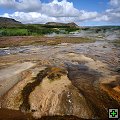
{"x": 65, "y": 81}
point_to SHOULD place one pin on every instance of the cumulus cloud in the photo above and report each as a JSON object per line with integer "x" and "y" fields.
{"x": 31, "y": 17}
{"x": 115, "y": 3}
{"x": 21, "y": 5}
{"x": 34, "y": 11}
{"x": 7, "y": 3}
{"x": 84, "y": 15}
{"x": 102, "y": 18}
{"x": 111, "y": 15}
{"x": 54, "y": 8}
{"x": 35, "y": 17}
{"x": 29, "y": 11}
{"x": 28, "y": 5}
{"x": 60, "y": 9}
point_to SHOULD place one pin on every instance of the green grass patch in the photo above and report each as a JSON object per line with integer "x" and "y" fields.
{"x": 35, "y": 30}
{"x": 14, "y": 32}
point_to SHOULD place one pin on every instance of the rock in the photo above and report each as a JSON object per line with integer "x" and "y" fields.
{"x": 117, "y": 70}
{"x": 97, "y": 55}
{"x": 104, "y": 47}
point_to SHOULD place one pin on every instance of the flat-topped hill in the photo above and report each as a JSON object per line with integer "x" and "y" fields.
{"x": 72, "y": 24}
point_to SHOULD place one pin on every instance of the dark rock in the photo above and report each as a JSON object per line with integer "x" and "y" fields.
{"x": 104, "y": 47}
{"x": 117, "y": 70}
{"x": 97, "y": 55}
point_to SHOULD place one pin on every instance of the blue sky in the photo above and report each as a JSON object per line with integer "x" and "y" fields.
{"x": 94, "y": 5}
{"x": 82, "y": 12}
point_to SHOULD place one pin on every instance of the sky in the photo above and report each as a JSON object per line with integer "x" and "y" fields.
{"x": 82, "y": 12}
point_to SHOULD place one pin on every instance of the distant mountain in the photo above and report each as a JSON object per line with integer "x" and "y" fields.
{"x": 9, "y": 22}
{"x": 72, "y": 24}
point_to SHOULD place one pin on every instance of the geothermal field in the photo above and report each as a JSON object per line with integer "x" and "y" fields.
{"x": 60, "y": 77}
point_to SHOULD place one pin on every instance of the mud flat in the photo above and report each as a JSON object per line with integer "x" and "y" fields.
{"x": 61, "y": 82}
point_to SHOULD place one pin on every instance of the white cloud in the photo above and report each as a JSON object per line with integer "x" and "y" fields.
{"x": 31, "y": 17}
{"x": 7, "y": 3}
{"x": 55, "y": 8}
{"x": 28, "y": 5}
{"x": 84, "y": 15}
{"x": 21, "y": 5}
{"x": 115, "y": 3}
{"x": 30, "y": 11}
{"x": 111, "y": 15}
{"x": 34, "y": 11}
{"x": 60, "y": 9}
{"x": 35, "y": 17}
{"x": 102, "y": 18}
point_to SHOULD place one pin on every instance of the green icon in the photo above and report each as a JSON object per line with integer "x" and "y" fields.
{"x": 113, "y": 113}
